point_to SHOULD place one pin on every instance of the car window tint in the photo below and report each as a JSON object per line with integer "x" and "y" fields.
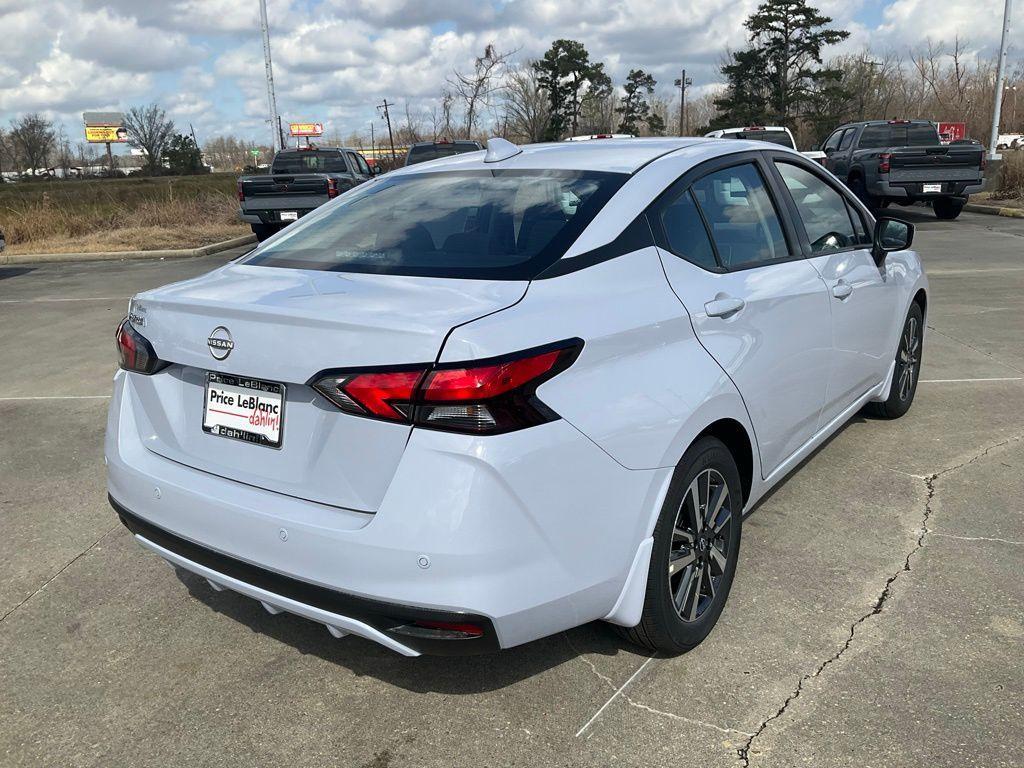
{"x": 744, "y": 224}
{"x": 833, "y": 141}
{"x": 361, "y": 162}
{"x": 848, "y": 138}
{"x": 494, "y": 224}
{"x": 687, "y": 237}
{"x": 309, "y": 161}
{"x": 822, "y": 209}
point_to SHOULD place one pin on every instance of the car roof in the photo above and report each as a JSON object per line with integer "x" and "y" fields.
{"x": 737, "y": 129}
{"x": 612, "y": 155}
{"x": 315, "y": 148}
{"x": 443, "y": 142}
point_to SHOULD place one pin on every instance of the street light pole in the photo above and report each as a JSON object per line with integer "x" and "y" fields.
{"x": 271, "y": 98}
{"x": 683, "y": 82}
{"x": 997, "y": 104}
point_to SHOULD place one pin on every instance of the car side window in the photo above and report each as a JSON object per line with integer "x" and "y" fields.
{"x": 832, "y": 142}
{"x": 822, "y": 209}
{"x": 686, "y": 234}
{"x": 361, "y": 164}
{"x": 847, "y": 139}
{"x": 744, "y": 224}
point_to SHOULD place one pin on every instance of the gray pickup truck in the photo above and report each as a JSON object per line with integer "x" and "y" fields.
{"x": 299, "y": 181}
{"x": 903, "y": 161}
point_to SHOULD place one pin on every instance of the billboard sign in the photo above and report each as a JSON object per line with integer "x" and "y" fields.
{"x": 101, "y": 134}
{"x": 104, "y": 127}
{"x": 952, "y": 132}
{"x": 306, "y": 129}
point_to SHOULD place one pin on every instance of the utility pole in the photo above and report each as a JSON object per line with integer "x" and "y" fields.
{"x": 993, "y": 153}
{"x": 683, "y": 83}
{"x": 275, "y": 124}
{"x": 373, "y": 144}
{"x": 391, "y": 137}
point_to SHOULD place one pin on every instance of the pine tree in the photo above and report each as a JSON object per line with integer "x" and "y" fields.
{"x": 570, "y": 79}
{"x": 634, "y": 107}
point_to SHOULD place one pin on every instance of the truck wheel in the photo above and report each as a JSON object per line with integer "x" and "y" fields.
{"x": 947, "y": 208}
{"x": 263, "y": 231}
{"x": 859, "y": 188}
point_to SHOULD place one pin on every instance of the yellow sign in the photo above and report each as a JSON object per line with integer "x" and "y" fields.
{"x": 101, "y": 134}
{"x": 306, "y": 129}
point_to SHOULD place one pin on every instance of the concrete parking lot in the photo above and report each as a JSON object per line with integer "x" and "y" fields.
{"x": 877, "y": 617}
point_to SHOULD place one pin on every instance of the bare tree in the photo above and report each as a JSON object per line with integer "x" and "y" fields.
{"x": 476, "y": 89}
{"x": 150, "y": 130}
{"x": 527, "y": 108}
{"x": 32, "y": 139}
{"x": 410, "y": 131}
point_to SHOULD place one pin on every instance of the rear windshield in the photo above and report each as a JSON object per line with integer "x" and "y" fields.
{"x": 772, "y": 137}
{"x": 309, "y": 161}
{"x": 900, "y": 135}
{"x": 426, "y": 152}
{"x": 493, "y": 224}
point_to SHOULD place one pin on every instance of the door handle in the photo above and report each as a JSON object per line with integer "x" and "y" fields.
{"x": 842, "y": 289}
{"x": 723, "y": 306}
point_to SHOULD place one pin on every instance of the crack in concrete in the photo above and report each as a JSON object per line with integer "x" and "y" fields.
{"x": 67, "y": 565}
{"x": 923, "y": 532}
{"x": 976, "y": 349}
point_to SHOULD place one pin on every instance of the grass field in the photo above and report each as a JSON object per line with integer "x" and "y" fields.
{"x": 81, "y": 216}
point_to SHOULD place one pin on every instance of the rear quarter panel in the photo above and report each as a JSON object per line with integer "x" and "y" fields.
{"x": 643, "y": 388}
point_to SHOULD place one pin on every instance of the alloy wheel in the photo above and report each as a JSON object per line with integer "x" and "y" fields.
{"x": 909, "y": 355}
{"x": 701, "y": 538}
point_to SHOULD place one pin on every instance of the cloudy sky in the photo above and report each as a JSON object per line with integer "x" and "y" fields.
{"x": 334, "y": 59}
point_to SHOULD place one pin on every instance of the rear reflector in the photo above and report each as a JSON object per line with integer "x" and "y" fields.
{"x": 134, "y": 351}
{"x": 440, "y": 630}
{"x": 482, "y": 397}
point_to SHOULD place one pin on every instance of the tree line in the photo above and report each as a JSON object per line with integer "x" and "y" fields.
{"x": 782, "y": 76}
{"x": 35, "y": 145}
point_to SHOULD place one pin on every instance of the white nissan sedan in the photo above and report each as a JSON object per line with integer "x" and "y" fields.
{"x": 484, "y": 399}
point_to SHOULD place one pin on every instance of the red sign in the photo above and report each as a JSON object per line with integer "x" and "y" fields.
{"x": 952, "y": 132}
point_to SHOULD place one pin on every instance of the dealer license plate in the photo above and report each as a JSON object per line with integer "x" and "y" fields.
{"x": 244, "y": 409}
{"x": 289, "y": 215}
{"x": 932, "y": 188}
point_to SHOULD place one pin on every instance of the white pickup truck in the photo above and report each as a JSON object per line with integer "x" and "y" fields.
{"x": 775, "y": 134}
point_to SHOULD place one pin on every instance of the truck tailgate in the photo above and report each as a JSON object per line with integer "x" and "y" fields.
{"x": 930, "y": 163}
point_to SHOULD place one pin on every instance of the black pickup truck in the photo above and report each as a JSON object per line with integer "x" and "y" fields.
{"x": 299, "y": 181}
{"x": 903, "y": 161}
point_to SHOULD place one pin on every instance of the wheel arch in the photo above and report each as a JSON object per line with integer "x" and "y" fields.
{"x": 734, "y": 436}
{"x": 921, "y": 299}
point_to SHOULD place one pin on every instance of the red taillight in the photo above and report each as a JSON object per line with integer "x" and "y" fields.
{"x": 134, "y": 351}
{"x": 241, "y": 193}
{"x": 884, "y": 161}
{"x": 754, "y": 128}
{"x": 484, "y": 397}
{"x": 332, "y": 188}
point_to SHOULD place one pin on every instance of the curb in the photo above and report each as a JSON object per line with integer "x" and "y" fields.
{"x": 994, "y": 210}
{"x": 183, "y": 253}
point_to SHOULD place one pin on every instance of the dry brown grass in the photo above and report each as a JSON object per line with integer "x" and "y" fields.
{"x": 115, "y": 215}
{"x": 1011, "y": 177}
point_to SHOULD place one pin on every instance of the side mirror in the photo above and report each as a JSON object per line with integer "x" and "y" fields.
{"x": 375, "y": 170}
{"x": 891, "y": 235}
{"x": 829, "y": 150}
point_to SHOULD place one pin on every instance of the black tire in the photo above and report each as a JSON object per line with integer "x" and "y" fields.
{"x": 662, "y": 626}
{"x": 947, "y": 208}
{"x": 263, "y": 231}
{"x": 860, "y": 189}
{"x": 908, "y": 363}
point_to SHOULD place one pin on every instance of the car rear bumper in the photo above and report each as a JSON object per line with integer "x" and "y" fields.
{"x": 526, "y": 534}
{"x": 915, "y": 190}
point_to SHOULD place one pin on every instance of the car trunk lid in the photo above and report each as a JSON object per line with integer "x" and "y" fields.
{"x": 285, "y": 326}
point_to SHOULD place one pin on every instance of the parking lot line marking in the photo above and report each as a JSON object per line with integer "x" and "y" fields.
{"x": 958, "y": 381}
{"x": 614, "y": 696}
{"x": 45, "y": 300}
{"x": 57, "y": 397}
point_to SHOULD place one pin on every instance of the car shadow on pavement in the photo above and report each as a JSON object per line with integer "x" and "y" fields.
{"x": 425, "y": 674}
{"x": 6, "y": 272}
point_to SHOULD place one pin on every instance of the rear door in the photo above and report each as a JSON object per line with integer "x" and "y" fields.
{"x": 756, "y": 304}
{"x": 837, "y": 240}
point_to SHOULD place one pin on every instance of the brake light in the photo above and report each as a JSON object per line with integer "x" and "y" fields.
{"x": 483, "y": 397}
{"x": 755, "y": 128}
{"x": 899, "y": 122}
{"x": 884, "y": 161}
{"x": 241, "y": 193}
{"x": 134, "y": 351}
{"x": 332, "y": 188}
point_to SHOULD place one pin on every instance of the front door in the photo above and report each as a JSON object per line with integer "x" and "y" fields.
{"x": 757, "y": 306}
{"x": 862, "y": 296}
